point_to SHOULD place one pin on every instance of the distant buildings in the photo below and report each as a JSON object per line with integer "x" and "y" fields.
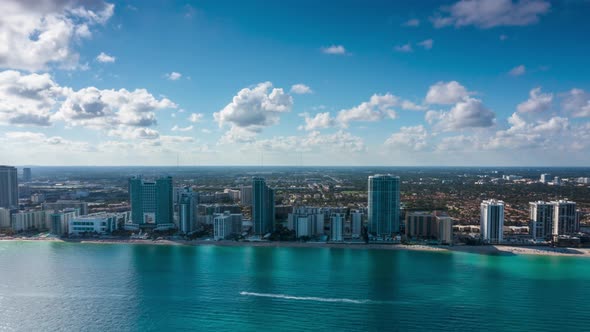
{"x": 383, "y": 205}
{"x": 187, "y": 210}
{"x": 151, "y": 203}
{"x": 37, "y": 198}
{"x": 27, "y": 174}
{"x": 492, "y": 221}
{"x": 337, "y": 227}
{"x": 226, "y": 225}
{"x": 263, "y": 207}
{"x": 546, "y": 178}
{"x": 583, "y": 180}
{"x": 551, "y": 219}
{"x": 8, "y": 187}
{"x": 67, "y": 204}
{"x": 246, "y": 195}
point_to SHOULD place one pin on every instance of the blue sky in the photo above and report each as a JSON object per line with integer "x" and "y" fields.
{"x": 469, "y": 82}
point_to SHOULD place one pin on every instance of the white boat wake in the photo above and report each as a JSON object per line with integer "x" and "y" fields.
{"x": 312, "y": 298}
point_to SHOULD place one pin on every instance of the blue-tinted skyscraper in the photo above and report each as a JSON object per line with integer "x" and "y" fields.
{"x": 151, "y": 202}
{"x": 384, "y": 205}
{"x": 263, "y": 207}
{"x": 8, "y": 187}
{"x": 187, "y": 210}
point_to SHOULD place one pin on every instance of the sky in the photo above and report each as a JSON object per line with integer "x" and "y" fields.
{"x": 380, "y": 83}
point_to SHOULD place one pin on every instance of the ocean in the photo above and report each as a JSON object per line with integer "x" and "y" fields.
{"x": 54, "y": 286}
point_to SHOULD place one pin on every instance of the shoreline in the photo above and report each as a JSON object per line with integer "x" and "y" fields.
{"x": 496, "y": 250}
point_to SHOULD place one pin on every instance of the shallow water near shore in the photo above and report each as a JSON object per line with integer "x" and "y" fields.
{"x": 124, "y": 287}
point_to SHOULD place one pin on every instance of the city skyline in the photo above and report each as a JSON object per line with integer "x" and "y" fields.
{"x": 489, "y": 82}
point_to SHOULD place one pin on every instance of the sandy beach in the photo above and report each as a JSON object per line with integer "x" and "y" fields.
{"x": 482, "y": 250}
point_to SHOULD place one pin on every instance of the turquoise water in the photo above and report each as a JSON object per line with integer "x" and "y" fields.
{"x": 48, "y": 286}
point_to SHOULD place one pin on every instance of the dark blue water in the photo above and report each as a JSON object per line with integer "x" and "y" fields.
{"x": 48, "y": 286}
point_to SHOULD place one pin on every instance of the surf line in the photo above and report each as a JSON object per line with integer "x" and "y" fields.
{"x": 312, "y": 298}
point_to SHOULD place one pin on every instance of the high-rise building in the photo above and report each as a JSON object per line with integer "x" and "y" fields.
{"x": 8, "y": 187}
{"x": 444, "y": 226}
{"x": 4, "y": 218}
{"x": 27, "y": 174}
{"x": 384, "y": 205}
{"x": 356, "y": 221}
{"x": 565, "y": 218}
{"x": 492, "y": 221}
{"x": 151, "y": 202}
{"x": 540, "y": 220}
{"x": 336, "y": 226}
{"x": 420, "y": 225}
{"x": 187, "y": 210}
{"x": 263, "y": 207}
{"x": 550, "y": 219}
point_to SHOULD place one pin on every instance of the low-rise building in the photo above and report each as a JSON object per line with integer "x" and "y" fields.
{"x": 100, "y": 223}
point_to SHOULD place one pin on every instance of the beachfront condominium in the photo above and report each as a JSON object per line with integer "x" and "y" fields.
{"x": 548, "y": 219}
{"x": 541, "y": 220}
{"x": 383, "y": 205}
{"x": 444, "y": 227}
{"x": 337, "y": 226}
{"x": 263, "y": 207}
{"x": 492, "y": 221}
{"x": 151, "y": 203}
{"x": 226, "y": 224}
{"x": 420, "y": 225}
{"x": 565, "y": 218}
{"x": 306, "y": 221}
{"x": 8, "y": 187}
{"x": 187, "y": 210}
{"x": 356, "y": 221}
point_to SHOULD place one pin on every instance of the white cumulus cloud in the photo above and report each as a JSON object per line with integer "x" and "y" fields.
{"x": 446, "y": 93}
{"x": 379, "y": 107}
{"x": 105, "y": 58}
{"x": 577, "y": 103}
{"x": 537, "y": 102}
{"x": 468, "y": 113}
{"x": 37, "y": 34}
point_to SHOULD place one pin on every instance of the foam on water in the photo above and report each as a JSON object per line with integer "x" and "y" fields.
{"x": 313, "y": 298}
